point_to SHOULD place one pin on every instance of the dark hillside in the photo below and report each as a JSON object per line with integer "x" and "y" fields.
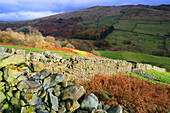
{"x": 67, "y": 24}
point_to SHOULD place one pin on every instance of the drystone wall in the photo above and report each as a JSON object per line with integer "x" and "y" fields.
{"x": 83, "y": 68}
{"x": 78, "y": 67}
{"x": 38, "y": 82}
{"x": 140, "y": 66}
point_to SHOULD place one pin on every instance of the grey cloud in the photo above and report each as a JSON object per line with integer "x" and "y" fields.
{"x": 7, "y": 7}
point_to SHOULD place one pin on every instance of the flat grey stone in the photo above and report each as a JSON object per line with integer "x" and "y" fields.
{"x": 90, "y": 102}
{"x": 115, "y": 109}
{"x": 73, "y": 92}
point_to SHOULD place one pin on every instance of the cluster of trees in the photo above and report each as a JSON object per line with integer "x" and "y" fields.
{"x": 94, "y": 34}
{"x": 103, "y": 44}
{"x": 83, "y": 45}
{"x": 60, "y": 27}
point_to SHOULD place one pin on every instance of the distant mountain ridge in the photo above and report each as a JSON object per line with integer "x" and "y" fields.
{"x": 67, "y": 24}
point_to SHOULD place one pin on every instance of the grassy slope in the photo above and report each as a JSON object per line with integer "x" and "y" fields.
{"x": 29, "y": 49}
{"x": 138, "y": 57}
{"x": 139, "y": 42}
{"x": 153, "y": 29}
{"x": 127, "y": 24}
{"x": 161, "y": 77}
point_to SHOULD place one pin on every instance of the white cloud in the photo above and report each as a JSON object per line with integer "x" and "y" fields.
{"x": 25, "y": 15}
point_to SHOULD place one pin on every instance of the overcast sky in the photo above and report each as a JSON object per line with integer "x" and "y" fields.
{"x": 16, "y": 10}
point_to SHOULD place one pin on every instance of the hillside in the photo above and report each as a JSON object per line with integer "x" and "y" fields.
{"x": 92, "y": 17}
{"x": 138, "y": 28}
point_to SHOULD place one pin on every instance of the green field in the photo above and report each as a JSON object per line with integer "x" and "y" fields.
{"x": 153, "y": 29}
{"x": 138, "y": 57}
{"x": 129, "y": 24}
{"x": 126, "y": 24}
{"x": 138, "y": 42}
{"x": 29, "y": 49}
{"x": 100, "y": 21}
{"x": 144, "y": 26}
{"x": 107, "y": 20}
{"x": 161, "y": 77}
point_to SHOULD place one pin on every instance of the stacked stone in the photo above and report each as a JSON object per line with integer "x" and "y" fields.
{"x": 141, "y": 66}
{"x": 28, "y": 87}
{"x": 78, "y": 67}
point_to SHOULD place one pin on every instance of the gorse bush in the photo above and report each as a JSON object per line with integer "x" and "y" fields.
{"x": 50, "y": 39}
{"x": 57, "y": 44}
{"x": 5, "y": 38}
{"x": 10, "y": 36}
{"x": 70, "y": 46}
{"x": 32, "y": 38}
{"x": 134, "y": 94}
